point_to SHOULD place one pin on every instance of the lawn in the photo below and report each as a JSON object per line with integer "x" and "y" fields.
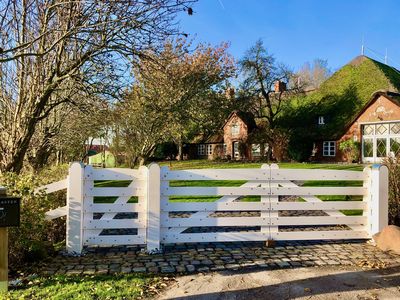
{"x": 205, "y": 164}
{"x": 129, "y": 286}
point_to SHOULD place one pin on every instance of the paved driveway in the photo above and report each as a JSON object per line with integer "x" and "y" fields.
{"x": 338, "y": 282}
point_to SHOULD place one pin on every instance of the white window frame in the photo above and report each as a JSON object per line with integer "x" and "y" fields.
{"x": 321, "y": 120}
{"x": 201, "y": 149}
{"x": 256, "y": 150}
{"x": 327, "y": 149}
{"x": 236, "y": 154}
{"x": 235, "y": 129}
{"x": 209, "y": 149}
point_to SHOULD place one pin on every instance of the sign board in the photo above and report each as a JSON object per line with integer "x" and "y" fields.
{"x": 9, "y": 211}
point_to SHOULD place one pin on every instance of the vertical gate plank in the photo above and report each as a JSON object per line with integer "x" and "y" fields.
{"x": 75, "y": 196}
{"x": 379, "y": 198}
{"x": 153, "y": 207}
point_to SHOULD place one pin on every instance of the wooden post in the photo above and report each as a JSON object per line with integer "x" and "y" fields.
{"x": 75, "y": 194}
{"x": 266, "y": 199}
{"x": 367, "y": 199}
{"x": 273, "y": 229}
{"x": 379, "y": 202}
{"x": 153, "y": 208}
{"x": 3, "y": 253}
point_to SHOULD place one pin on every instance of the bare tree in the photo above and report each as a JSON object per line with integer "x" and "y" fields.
{"x": 313, "y": 74}
{"x": 49, "y": 46}
{"x": 261, "y": 72}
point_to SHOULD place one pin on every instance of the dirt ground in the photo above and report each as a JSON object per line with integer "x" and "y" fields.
{"x": 300, "y": 283}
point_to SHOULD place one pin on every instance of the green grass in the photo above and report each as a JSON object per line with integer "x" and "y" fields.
{"x": 209, "y": 164}
{"x": 64, "y": 287}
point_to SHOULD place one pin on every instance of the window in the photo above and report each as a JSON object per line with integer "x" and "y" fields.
{"x": 201, "y": 149}
{"x": 329, "y": 148}
{"x": 321, "y": 120}
{"x": 256, "y": 150}
{"x": 235, "y": 129}
{"x": 224, "y": 149}
{"x": 236, "y": 149}
{"x": 209, "y": 149}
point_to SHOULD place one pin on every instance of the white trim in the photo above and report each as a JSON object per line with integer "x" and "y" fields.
{"x": 329, "y": 149}
{"x": 209, "y": 149}
{"x": 201, "y": 149}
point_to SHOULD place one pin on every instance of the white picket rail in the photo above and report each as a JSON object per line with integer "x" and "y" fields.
{"x": 155, "y": 219}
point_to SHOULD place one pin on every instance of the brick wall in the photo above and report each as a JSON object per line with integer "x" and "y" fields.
{"x": 229, "y": 139}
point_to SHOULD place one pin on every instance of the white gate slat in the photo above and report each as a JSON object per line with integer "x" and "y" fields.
{"x": 134, "y": 190}
{"x": 111, "y": 215}
{"x": 263, "y": 221}
{"x": 114, "y": 240}
{"x": 327, "y": 205}
{"x": 259, "y": 236}
{"x": 313, "y": 199}
{"x": 316, "y": 174}
{"x": 214, "y": 206}
{"x": 56, "y": 213}
{"x": 257, "y": 206}
{"x": 53, "y": 187}
{"x": 320, "y": 235}
{"x": 112, "y": 224}
{"x": 115, "y": 174}
{"x": 115, "y": 207}
{"x": 254, "y": 191}
{"x": 323, "y": 220}
{"x": 168, "y": 237}
{"x": 217, "y": 174}
{"x": 203, "y": 214}
{"x": 260, "y": 174}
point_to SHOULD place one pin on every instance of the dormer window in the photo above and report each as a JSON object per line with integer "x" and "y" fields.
{"x": 235, "y": 129}
{"x": 321, "y": 120}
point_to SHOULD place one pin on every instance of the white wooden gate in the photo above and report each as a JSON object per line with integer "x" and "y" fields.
{"x": 170, "y": 205}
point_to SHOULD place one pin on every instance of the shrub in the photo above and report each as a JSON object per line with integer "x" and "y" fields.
{"x": 393, "y": 164}
{"x": 35, "y": 237}
{"x": 351, "y": 150}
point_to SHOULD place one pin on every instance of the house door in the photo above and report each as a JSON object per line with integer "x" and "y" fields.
{"x": 235, "y": 150}
{"x": 380, "y": 140}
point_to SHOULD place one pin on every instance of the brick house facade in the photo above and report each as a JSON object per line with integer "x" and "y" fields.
{"x": 376, "y": 127}
{"x": 232, "y": 142}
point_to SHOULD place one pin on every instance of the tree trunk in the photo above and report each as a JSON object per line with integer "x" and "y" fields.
{"x": 180, "y": 150}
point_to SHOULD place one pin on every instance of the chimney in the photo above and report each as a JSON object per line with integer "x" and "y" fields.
{"x": 230, "y": 93}
{"x": 279, "y": 86}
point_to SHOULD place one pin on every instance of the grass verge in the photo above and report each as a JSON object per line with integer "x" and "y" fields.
{"x": 130, "y": 286}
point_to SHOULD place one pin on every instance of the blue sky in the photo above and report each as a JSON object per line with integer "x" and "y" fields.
{"x": 297, "y": 31}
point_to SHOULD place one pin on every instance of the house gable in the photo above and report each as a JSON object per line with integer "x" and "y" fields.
{"x": 237, "y": 128}
{"x": 383, "y": 106}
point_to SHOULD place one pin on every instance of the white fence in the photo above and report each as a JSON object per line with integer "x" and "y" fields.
{"x": 154, "y": 205}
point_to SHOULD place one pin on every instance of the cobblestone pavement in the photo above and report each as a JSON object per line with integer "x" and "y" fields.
{"x": 205, "y": 257}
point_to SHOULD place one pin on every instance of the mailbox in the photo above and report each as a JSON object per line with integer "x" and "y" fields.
{"x": 9, "y": 211}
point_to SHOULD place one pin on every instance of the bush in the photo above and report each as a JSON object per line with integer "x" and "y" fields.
{"x": 351, "y": 150}
{"x": 393, "y": 164}
{"x": 35, "y": 237}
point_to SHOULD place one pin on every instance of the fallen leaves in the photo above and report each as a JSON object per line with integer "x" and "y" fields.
{"x": 366, "y": 264}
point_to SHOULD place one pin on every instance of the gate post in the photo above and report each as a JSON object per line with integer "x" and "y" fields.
{"x": 153, "y": 235}
{"x": 379, "y": 202}
{"x": 74, "y": 238}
